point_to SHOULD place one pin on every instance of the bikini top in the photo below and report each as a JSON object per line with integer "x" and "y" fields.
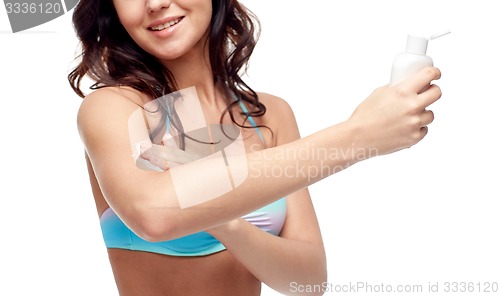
{"x": 116, "y": 234}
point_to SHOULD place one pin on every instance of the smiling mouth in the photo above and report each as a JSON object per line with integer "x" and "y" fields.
{"x": 165, "y": 25}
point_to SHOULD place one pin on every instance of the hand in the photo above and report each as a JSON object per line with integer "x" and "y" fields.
{"x": 395, "y": 117}
{"x": 164, "y": 157}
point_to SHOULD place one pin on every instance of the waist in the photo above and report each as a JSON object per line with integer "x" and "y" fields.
{"x": 141, "y": 273}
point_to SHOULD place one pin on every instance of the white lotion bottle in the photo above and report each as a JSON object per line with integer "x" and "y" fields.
{"x": 413, "y": 59}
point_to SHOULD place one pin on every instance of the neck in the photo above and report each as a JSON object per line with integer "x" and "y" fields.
{"x": 194, "y": 69}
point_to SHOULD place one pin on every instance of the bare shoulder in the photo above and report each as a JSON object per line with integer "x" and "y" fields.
{"x": 106, "y": 106}
{"x": 280, "y": 118}
{"x": 107, "y": 102}
{"x": 111, "y": 97}
{"x": 275, "y": 105}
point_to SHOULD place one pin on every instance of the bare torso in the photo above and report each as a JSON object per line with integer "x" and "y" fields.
{"x": 140, "y": 273}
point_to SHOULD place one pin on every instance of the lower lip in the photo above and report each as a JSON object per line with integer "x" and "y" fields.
{"x": 168, "y": 31}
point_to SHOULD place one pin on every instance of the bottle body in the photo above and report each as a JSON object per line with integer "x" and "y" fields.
{"x": 406, "y": 64}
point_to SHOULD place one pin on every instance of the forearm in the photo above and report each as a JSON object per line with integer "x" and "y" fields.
{"x": 152, "y": 203}
{"x": 290, "y": 167}
{"x": 274, "y": 260}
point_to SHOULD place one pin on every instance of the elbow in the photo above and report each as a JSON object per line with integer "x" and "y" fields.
{"x": 313, "y": 288}
{"x": 153, "y": 233}
{"x": 322, "y": 282}
{"x": 155, "y": 225}
{"x": 319, "y": 276}
{"x": 314, "y": 282}
{"x": 319, "y": 280}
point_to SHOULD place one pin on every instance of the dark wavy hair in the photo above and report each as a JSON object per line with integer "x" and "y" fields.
{"x": 110, "y": 57}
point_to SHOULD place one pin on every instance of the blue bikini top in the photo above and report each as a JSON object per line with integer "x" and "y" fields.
{"x": 116, "y": 234}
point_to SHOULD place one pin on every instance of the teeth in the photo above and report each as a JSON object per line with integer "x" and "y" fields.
{"x": 166, "y": 25}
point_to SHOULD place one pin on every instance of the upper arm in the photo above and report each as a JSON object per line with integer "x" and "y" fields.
{"x": 301, "y": 222}
{"x": 109, "y": 124}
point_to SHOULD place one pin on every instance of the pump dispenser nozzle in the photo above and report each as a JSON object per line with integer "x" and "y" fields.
{"x": 418, "y": 45}
{"x": 437, "y": 35}
{"x": 414, "y": 58}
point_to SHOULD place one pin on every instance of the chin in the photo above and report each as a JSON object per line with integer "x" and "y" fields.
{"x": 168, "y": 56}
{"x": 170, "y": 51}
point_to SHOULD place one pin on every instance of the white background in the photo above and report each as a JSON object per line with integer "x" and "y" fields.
{"x": 426, "y": 214}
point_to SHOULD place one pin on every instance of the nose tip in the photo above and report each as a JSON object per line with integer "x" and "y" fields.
{"x": 155, "y": 5}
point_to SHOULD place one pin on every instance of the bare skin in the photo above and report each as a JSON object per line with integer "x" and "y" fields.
{"x": 222, "y": 273}
{"x": 390, "y": 119}
{"x": 143, "y": 273}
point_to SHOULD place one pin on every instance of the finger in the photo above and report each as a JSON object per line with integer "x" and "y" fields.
{"x": 144, "y": 146}
{"x": 158, "y": 161}
{"x": 158, "y": 149}
{"x": 149, "y": 151}
{"x": 423, "y": 132}
{"x": 421, "y": 79}
{"x": 165, "y": 157}
{"x": 145, "y": 153}
{"x": 427, "y": 117}
{"x": 430, "y": 96}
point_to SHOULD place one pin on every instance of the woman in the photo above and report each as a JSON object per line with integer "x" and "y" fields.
{"x": 164, "y": 235}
